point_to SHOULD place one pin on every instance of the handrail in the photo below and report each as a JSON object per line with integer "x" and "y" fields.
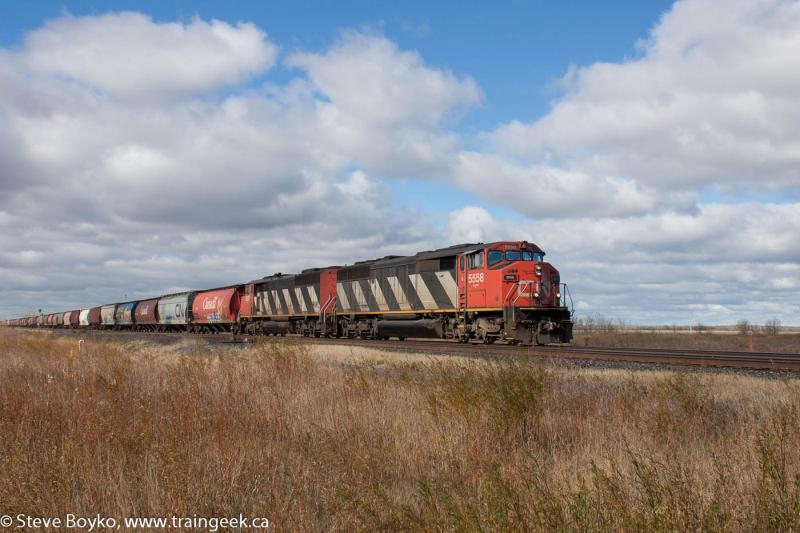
{"x": 323, "y": 312}
{"x": 508, "y": 296}
{"x": 564, "y": 295}
{"x": 324, "y": 308}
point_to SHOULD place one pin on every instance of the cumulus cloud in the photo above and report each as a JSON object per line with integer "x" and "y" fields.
{"x": 385, "y": 85}
{"x": 258, "y": 158}
{"x": 129, "y": 54}
{"x": 472, "y": 224}
{"x": 547, "y": 191}
{"x": 713, "y": 101}
{"x": 388, "y": 108}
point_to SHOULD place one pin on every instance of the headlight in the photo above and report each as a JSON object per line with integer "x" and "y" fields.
{"x": 558, "y": 295}
{"x": 535, "y": 294}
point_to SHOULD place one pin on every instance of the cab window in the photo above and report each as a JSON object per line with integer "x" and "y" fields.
{"x": 513, "y": 255}
{"x": 494, "y": 257}
{"x": 476, "y": 260}
{"x": 532, "y": 256}
{"x": 461, "y": 262}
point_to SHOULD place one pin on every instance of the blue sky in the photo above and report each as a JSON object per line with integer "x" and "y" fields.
{"x": 516, "y": 51}
{"x": 651, "y": 148}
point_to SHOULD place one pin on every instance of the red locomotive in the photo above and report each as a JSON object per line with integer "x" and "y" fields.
{"x": 499, "y": 291}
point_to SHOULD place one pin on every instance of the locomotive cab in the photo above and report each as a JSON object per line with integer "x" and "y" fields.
{"x": 507, "y": 291}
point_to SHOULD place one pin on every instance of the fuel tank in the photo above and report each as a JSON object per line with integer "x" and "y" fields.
{"x": 423, "y": 328}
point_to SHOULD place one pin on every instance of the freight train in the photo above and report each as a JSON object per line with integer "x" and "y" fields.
{"x": 501, "y": 291}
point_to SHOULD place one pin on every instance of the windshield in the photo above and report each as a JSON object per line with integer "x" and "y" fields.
{"x": 494, "y": 257}
{"x": 525, "y": 255}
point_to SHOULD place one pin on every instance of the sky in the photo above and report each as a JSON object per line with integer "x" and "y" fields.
{"x": 652, "y": 149}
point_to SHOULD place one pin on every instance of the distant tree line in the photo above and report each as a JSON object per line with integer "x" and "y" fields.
{"x": 601, "y": 324}
{"x": 770, "y": 327}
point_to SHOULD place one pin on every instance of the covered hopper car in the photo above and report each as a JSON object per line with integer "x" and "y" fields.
{"x": 123, "y": 316}
{"x": 216, "y": 310}
{"x": 107, "y": 314}
{"x": 146, "y": 315}
{"x": 175, "y": 311}
{"x": 95, "y": 317}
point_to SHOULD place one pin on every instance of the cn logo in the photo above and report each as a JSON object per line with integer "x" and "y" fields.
{"x": 546, "y": 290}
{"x": 475, "y": 278}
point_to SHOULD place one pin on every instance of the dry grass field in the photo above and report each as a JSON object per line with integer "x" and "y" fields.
{"x": 784, "y": 343}
{"x": 331, "y": 439}
{"x": 599, "y": 331}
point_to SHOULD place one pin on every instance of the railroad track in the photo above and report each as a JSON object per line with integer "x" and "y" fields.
{"x": 714, "y": 358}
{"x": 705, "y": 358}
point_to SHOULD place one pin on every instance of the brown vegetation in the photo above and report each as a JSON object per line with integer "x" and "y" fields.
{"x": 707, "y": 340}
{"x": 317, "y": 444}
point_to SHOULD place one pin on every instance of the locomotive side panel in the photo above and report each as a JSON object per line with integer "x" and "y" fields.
{"x": 307, "y": 291}
{"x": 275, "y": 297}
{"x": 327, "y": 289}
{"x": 397, "y": 285}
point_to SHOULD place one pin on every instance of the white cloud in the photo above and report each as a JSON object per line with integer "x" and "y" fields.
{"x": 384, "y": 85}
{"x": 714, "y": 100}
{"x": 261, "y": 158}
{"x": 130, "y": 54}
{"x": 548, "y": 191}
{"x": 472, "y": 224}
{"x": 384, "y": 106}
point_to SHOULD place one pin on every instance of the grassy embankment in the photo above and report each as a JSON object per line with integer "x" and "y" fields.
{"x": 416, "y": 444}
